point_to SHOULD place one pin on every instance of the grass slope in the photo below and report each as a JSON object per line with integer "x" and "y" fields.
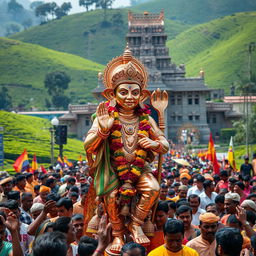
{"x": 87, "y": 35}
{"x": 24, "y": 66}
{"x": 220, "y": 47}
{"x": 32, "y": 133}
{"x": 197, "y": 11}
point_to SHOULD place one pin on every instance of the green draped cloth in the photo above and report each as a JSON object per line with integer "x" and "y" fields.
{"x": 105, "y": 179}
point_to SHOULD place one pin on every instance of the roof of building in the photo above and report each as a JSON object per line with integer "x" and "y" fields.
{"x": 68, "y": 116}
{"x": 61, "y": 112}
{"x": 146, "y": 18}
{"x": 239, "y": 99}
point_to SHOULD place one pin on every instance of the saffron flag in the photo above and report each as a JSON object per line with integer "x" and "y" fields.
{"x": 231, "y": 154}
{"x": 67, "y": 163}
{"x": 22, "y": 164}
{"x": 34, "y": 164}
{"x": 211, "y": 155}
{"x": 80, "y": 159}
{"x": 60, "y": 162}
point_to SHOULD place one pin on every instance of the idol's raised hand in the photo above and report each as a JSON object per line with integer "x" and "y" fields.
{"x": 105, "y": 119}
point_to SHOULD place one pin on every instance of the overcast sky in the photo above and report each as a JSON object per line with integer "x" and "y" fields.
{"x": 77, "y": 8}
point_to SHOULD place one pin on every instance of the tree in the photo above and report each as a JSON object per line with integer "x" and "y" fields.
{"x": 14, "y": 7}
{"x": 27, "y": 23}
{"x": 133, "y": 2}
{"x": 45, "y": 9}
{"x": 12, "y": 28}
{"x": 240, "y": 127}
{"x": 117, "y": 20}
{"x": 5, "y": 99}
{"x": 56, "y": 83}
{"x": 60, "y": 101}
{"x": 86, "y": 3}
{"x": 35, "y": 4}
{"x": 63, "y": 10}
{"x": 104, "y": 4}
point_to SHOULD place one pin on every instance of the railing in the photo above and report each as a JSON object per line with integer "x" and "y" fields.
{"x": 85, "y": 107}
{"x": 219, "y": 106}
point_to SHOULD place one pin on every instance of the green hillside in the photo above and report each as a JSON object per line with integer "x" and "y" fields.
{"x": 220, "y": 47}
{"x": 88, "y": 35}
{"x": 33, "y": 134}
{"x": 197, "y": 11}
{"x": 24, "y": 66}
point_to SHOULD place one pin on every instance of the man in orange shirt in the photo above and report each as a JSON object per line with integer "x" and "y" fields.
{"x": 78, "y": 207}
{"x": 161, "y": 217}
{"x": 182, "y": 193}
{"x": 35, "y": 178}
{"x": 163, "y": 191}
{"x": 29, "y": 184}
{"x": 205, "y": 244}
{"x": 231, "y": 202}
{"x": 20, "y": 184}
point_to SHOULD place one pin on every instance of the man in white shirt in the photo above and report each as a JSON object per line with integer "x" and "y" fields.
{"x": 194, "y": 202}
{"x": 198, "y": 188}
{"x": 208, "y": 196}
{"x": 25, "y": 239}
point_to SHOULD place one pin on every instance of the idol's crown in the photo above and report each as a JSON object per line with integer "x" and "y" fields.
{"x": 125, "y": 69}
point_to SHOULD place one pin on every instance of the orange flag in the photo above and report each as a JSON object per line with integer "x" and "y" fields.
{"x": 34, "y": 164}
{"x": 80, "y": 158}
{"x": 211, "y": 156}
{"x": 22, "y": 164}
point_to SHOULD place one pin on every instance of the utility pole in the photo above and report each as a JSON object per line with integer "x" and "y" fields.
{"x": 2, "y": 147}
{"x": 248, "y": 87}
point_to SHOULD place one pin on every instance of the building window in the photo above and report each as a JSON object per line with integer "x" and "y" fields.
{"x": 190, "y": 118}
{"x": 197, "y": 101}
{"x": 179, "y": 100}
{"x": 214, "y": 119}
{"x": 197, "y": 118}
{"x": 172, "y": 100}
{"x": 173, "y": 118}
{"x": 190, "y": 101}
{"x": 179, "y": 118}
{"x": 87, "y": 121}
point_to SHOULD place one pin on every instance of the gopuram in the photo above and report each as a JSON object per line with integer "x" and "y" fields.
{"x": 186, "y": 113}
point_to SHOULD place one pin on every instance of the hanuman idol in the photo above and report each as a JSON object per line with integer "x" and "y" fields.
{"x": 123, "y": 141}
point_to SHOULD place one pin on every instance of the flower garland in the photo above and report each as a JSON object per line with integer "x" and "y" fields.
{"x": 128, "y": 171}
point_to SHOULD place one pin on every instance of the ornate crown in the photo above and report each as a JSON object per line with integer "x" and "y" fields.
{"x": 125, "y": 69}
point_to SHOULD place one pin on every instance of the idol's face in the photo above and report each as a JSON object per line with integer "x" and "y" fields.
{"x": 128, "y": 96}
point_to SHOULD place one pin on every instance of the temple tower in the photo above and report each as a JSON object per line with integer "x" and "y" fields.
{"x": 186, "y": 113}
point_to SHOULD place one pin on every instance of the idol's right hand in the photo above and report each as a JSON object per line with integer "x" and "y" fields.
{"x": 105, "y": 119}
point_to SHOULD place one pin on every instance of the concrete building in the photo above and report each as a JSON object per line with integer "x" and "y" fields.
{"x": 186, "y": 113}
{"x": 240, "y": 103}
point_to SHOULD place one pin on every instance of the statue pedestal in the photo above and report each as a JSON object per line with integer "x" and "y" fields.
{"x": 109, "y": 253}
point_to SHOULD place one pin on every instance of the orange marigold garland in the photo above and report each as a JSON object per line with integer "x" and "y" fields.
{"x": 128, "y": 172}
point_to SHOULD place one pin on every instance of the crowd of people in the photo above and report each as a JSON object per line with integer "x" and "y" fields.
{"x": 198, "y": 213}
